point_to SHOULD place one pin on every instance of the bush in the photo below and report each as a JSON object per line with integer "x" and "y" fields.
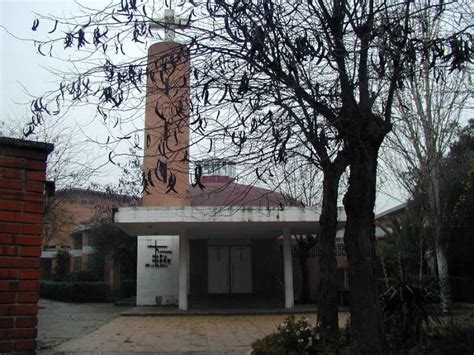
{"x": 74, "y": 291}
{"x": 62, "y": 264}
{"x": 299, "y": 337}
{"x": 455, "y": 337}
{"x": 269, "y": 344}
{"x": 292, "y": 336}
{"x": 81, "y": 276}
{"x": 408, "y": 312}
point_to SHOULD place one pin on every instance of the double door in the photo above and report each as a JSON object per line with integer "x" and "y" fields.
{"x": 229, "y": 269}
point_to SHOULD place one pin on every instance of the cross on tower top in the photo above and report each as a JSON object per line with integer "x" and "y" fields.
{"x": 169, "y": 23}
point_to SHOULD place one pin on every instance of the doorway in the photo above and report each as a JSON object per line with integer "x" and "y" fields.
{"x": 229, "y": 269}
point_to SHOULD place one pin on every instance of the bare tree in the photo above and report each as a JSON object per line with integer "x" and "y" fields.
{"x": 270, "y": 79}
{"x": 72, "y": 164}
{"x": 429, "y": 111}
{"x": 298, "y": 179}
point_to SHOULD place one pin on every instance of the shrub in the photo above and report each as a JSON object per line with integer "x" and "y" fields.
{"x": 74, "y": 291}
{"x": 292, "y": 336}
{"x": 62, "y": 264}
{"x": 299, "y": 337}
{"x": 81, "y": 276}
{"x": 269, "y": 344}
{"x": 408, "y": 311}
{"x": 455, "y": 337}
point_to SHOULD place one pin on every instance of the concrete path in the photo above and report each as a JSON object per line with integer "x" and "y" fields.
{"x": 59, "y": 322}
{"x": 196, "y": 334}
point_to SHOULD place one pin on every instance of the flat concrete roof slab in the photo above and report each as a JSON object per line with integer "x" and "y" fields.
{"x": 218, "y": 222}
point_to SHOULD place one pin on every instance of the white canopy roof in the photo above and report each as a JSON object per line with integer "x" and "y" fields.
{"x": 219, "y": 222}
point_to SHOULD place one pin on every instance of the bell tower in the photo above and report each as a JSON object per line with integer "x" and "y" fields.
{"x": 166, "y": 146}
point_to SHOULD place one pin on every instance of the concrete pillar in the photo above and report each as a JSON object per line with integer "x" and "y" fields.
{"x": 288, "y": 269}
{"x": 183, "y": 272}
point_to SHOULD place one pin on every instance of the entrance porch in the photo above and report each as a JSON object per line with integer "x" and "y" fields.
{"x": 226, "y": 254}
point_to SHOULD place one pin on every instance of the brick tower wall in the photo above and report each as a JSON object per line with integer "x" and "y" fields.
{"x": 167, "y": 125}
{"x": 22, "y": 191}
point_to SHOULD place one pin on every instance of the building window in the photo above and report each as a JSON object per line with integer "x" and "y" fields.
{"x": 218, "y": 167}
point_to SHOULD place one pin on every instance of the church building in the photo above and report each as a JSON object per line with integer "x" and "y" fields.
{"x": 226, "y": 240}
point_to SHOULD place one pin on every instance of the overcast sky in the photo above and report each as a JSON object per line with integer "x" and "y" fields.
{"x": 24, "y": 71}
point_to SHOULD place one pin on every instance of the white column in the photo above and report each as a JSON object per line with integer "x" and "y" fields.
{"x": 288, "y": 269}
{"x": 183, "y": 272}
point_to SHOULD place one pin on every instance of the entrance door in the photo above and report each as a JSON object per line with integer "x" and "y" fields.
{"x": 240, "y": 269}
{"x": 229, "y": 269}
{"x": 218, "y": 269}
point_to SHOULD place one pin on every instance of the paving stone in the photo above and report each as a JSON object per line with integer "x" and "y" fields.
{"x": 75, "y": 326}
{"x": 59, "y": 322}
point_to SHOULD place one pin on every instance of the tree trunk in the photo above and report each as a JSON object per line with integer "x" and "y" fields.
{"x": 443, "y": 274}
{"x": 359, "y": 239}
{"x": 327, "y": 263}
{"x": 435, "y": 216}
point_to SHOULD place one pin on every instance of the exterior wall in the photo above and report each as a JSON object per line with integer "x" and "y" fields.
{"x": 70, "y": 209}
{"x": 22, "y": 186}
{"x": 75, "y": 207}
{"x": 157, "y": 285}
{"x": 167, "y": 124}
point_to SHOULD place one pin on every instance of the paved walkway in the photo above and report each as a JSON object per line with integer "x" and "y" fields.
{"x": 59, "y": 322}
{"x": 217, "y": 334}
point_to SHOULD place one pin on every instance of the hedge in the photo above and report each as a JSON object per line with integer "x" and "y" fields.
{"x": 74, "y": 291}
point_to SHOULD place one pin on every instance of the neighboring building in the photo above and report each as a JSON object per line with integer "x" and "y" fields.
{"x": 69, "y": 212}
{"x": 386, "y": 217}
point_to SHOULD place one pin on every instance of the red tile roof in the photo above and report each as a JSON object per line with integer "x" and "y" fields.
{"x": 223, "y": 191}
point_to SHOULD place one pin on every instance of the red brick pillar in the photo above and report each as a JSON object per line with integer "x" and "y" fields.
{"x": 22, "y": 190}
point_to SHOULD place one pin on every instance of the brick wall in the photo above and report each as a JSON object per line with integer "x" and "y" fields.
{"x": 22, "y": 186}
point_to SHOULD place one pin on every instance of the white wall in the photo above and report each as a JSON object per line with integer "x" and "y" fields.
{"x": 155, "y": 282}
